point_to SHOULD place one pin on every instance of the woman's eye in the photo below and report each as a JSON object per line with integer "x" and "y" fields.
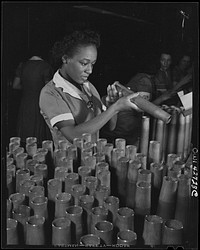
{"x": 83, "y": 64}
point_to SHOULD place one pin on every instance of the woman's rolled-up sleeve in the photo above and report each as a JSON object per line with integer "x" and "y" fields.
{"x": 53, "y": 107}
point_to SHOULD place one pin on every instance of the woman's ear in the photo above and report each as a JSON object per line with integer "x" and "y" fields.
{"x": 64, "y": 58}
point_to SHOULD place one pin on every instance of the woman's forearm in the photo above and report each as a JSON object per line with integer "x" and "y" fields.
{"x": 91, "y": 126}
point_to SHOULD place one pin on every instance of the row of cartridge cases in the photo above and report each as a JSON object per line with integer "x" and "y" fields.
{"x": 89, "y": 174}
{"x": 170, "y": 138}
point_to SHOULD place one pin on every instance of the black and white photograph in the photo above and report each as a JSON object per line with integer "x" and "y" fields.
{"x": 99, "y": 124}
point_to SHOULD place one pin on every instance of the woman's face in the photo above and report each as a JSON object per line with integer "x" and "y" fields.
{"x": 185, "y": 62}
{"x": 165, "y": 61}
{"x": 80, "y": 66}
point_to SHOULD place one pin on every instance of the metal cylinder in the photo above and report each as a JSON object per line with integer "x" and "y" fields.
{"x": 17, "y": 199}
{"x": 21, "y": 159}
{"x": 143, "y": 159}
{"x": 99, "y": 213}
{"x": 12, "y": 146}
{"x": 38, "y": 179}
{"x": 48, "y": 144}
{"x": 30, "y": 140}
{"x": 58, "y": 155}
{"x": 167, "y": 198}
{"x": 115, "y": 155}
{"x": 172, "y": 133}
{"x": 152, "y": 232}
{"x": 130, "y": 152}
{"x": 54, "y": 187}
{"x": 157, "y": 174}
{"x": 125, "y": 219}
{"x": 104, "y": 177}
{"x": 61, "y": 232}
{"x": 104, "y": 230}
{"x": 154, "y": 152}
{"x": 91, "y": 183}
{"x": 74, "y": 213}
{"x": 87, "y": 137}
{"x": 120, "y": 143}
{"x": 181, "y": 136}
{"x": 10, "y": 184}
{"x": 108, "y": 152}
{"x": 78, "y": 143}
{"x": 21, "y": 214}
{"x": 35, "y": 191}
{"x": 67, "y": 163}
{"x": 8, "y": 208}
{"x": 126, "y": 238}
{"x": 101, "y": 143}
{"x": 171, "y": 158}
{"x": 112, "y": 204}
{"x": 83, "y": 171}
{"x": 39, "y": 206}
{"x": 160, "y": 133}
{"x": 21, "y": 174}
{"x": 9, "y": 161}
{"x": 183, "y": 200}
{"x": 121, "y": 173}
{"x": 70, "y": 180}
{"x": 74, "y": 153}
{"x": 25, "y": 185}
{"x": 86, "y": 202}
{"x": 63, "y": 144}
{"x": 174, "y": 172}
{"x": 90, "y": 240}
{"x": 100, "y": 157}
{"x": 144, "y": 175}
{"x": 18, "y": 150}
{"x": 101, "y": 193}
{"x": 100, "y": 166}
{"x": 143, "y": 198}
{"x": 11, "y": 228}
{"x": 31, "y": 149}
{"x": 35, "y": 230}
{"x": 86, "y": 152}
{"x": 77, "y": 190}
{"x": 144, "y": 140}
{"x": 132, "y": 175}
{"x": 172, "y": 233}
{"x": 133, "y": 167}
{"x": 179, "y": 165}
{"x": 90, "y": 161}
{"x": 30, "y": 164}
{"x": 15, "y": 139}
{"x": 62, "y": 201}
{"x": 151, "y": 109}
{"x": 190, "y": 135}
{"x": 42, "y": 169}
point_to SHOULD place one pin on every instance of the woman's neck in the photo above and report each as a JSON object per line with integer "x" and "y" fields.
{"x": 69, "y": 79}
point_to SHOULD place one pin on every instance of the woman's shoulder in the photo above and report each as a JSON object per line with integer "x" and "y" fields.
{"x": 49, "y": 88}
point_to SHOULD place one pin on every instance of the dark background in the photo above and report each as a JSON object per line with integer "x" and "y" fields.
{"x": 129, "y": 32}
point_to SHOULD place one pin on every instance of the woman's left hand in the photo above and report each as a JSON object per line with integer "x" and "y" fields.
{"x": 112, "y": 94}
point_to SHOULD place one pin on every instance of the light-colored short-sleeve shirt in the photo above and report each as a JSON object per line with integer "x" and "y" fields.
{"x": 61, "y": 101}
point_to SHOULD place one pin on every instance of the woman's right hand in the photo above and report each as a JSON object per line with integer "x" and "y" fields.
{"x": 125, "y": 103}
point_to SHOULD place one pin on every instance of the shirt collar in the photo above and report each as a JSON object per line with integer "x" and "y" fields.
{"x": 69, "y": 88}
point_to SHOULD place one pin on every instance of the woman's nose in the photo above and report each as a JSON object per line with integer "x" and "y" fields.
{"x": 89, "y": 69}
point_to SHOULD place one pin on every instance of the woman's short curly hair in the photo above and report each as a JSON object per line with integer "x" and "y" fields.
{"x": 70, "y": 43}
